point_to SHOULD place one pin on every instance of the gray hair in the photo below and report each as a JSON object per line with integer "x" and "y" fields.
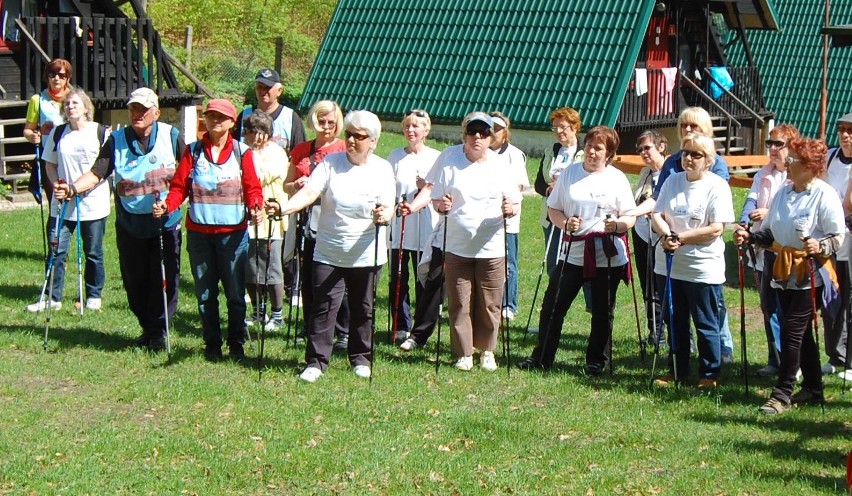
{"x": 258, "y": 121}
{"x": 364, "y": 120}
{"x": 87, "y": 102}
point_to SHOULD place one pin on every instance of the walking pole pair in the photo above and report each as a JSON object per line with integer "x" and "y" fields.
{"x": 559, "y": 276}
{"x": 741, "y": 273}
{"x": 504, "y": 318}
{"x": 812, "y": 274}
{"x": 553, "y": 230}
{"x": 642, "y": 348}
{"x": 609, "y": 305}
{"x": 440, "y": 312}
{"x": 265, "y": 288}
{"x": 79, "y": 255}
{"x": 399, "y": 263}
{"x": 297, "y": 284}
{"x": 49, "y": 274}
{"x": 38, "y": 196}
{"x": 164, "y": 283}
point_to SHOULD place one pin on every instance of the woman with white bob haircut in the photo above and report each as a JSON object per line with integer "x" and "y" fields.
{"x": 356, "y": 191}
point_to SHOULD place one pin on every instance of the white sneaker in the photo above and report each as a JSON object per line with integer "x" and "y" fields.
{"x": 508, "y": 314}
{"x": 408, "y": 345}
{"x": 828, "y": 368}
{"x": 487, "y": 362}
{"x": 768, "y": 371}
{"x": 41, "y": 306}
{"x": 93, "y": 303}
{"x": 273, "y": 325}
{"x": 310, "y": 374}
{"x": 845, "y": 375}
{"x": 464, "y": 363}
{"x": 799, "y": 375}
{"x": 362, "y": 371}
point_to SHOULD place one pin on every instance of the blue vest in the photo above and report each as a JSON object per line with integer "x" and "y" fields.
{"x": 282, "y": 127}
{"x": 217, "y": 189}
{"x": 47, "y": 112}
{"x": 136, "y": 177}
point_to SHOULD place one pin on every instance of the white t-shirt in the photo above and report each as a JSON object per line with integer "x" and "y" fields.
{"x": 837, "y": 176}
{"x": 475, "y": 223}
{"x": 766, "y": 183}
{"x": 516, "y": 164}
{"x": 814, "y": 213}
{"x": 77, "y": 152}
{"x": 644, "y": 189}
{"x": 689, "y": 205}
{"x": 591, "y": 196}
{"x": 346, "y": 234}
{"x": 407, "y": 168}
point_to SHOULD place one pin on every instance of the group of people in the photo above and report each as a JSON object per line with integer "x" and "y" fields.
{"x": 270, "y": 214}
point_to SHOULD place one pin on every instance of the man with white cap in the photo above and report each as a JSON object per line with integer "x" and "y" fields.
{"x": 287, "y": 128}
{"x": 141, "y": 159}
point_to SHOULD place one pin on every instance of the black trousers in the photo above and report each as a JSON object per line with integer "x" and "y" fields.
{"x": 798, "y": 347}
{"x": 341, "y": 328}
{"x": 428, "y": 305}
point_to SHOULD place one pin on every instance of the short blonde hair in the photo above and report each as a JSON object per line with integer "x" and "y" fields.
{"x": 703, "y": 143}
{"x": 419, "y": 116}
{"x": 324, "y": 107}
{"x": 696, "y": 116}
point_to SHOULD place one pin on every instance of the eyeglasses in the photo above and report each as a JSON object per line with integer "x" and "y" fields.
{"x": 643, "y": 148}
{"x": 327, "y": 124}
{"x": 60, "y": 75}
{"x": 693, "y": 154}
{"x": 559, "y": 129}
{"x": 479, "y": 133}
{"x": 791, "y": 161}
{"x": 771, "y": 143}
{"x": 417, "y": 113}
{"x": 355, "y": 136}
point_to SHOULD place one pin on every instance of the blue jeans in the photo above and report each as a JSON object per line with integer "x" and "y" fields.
{"x": 218, "y": 258}
{"x": 511, "y": 287}
{"x": 92, "y": 232}
{"x": 701, "y": 302}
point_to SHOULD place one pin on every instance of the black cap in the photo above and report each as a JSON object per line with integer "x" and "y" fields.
{"x": 268, "y": 77}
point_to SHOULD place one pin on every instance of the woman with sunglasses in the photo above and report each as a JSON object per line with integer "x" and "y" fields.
{"x": 766, "y": 183}
{"x": 651, "y": 147}
{"x": 588, "y": 203}
{"x": 804, "y": 227}
{"x": 326, "y": 120}
{"x": 516, "y": 162}
{"x": 410, "y": 165}
{"x": 690, "y": 215}
{"x": 474, "y": 192}
{"x": 356, "y": 190}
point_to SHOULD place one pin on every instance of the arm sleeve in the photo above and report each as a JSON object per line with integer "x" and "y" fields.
{"x": 32, "y": 109}
{"x": 179, "y": 189}
{"x": 251, "y": 184}
{"x": 748, "y": 207}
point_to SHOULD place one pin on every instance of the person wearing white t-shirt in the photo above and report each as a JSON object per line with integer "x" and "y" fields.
{"x": 356, "y": 191}
{"x": 516, "y": 165}
{"x": 588, "y": 201}
{"x": 690, "y": 214}
{"x": 475, "y": 192}
{"x": 804, "y": 227}
{"x": 410, "y": 166}
{"x": 838, "y": 173}
{"x": 78, "y": 147}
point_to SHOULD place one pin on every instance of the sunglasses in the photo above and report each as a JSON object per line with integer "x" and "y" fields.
{"x": 355, "y": 136}
{"x": 693, "y": 154}
{"x": 479, "y": 133}
{"x": 60, "y": 75}
{"x": 643, "y": 148}
{"x": 771, "y": 143}
{"x": 844, "y": 129}
{"x": 417, "y": 113}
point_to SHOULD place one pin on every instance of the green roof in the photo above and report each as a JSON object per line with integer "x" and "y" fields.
{"x": 524, "y": 58}
{"x": 790, "y": 65}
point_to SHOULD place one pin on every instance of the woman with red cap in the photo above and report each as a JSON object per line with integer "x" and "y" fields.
{"x": 218, "y": 176}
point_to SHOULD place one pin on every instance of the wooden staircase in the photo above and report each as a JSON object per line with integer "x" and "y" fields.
{"x": 16, "y": 154}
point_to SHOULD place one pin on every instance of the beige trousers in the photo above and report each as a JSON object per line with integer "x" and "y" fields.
{"x": 475, "y": 292}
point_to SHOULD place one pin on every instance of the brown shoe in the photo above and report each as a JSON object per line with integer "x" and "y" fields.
{"x": 665, "y": 380}
{"x": 774, "y": 406}
{"x": 706, "y": 383}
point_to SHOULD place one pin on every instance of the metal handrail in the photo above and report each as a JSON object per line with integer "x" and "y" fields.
{"x": 709, "y": 99}
{"x": 734, "y": 98}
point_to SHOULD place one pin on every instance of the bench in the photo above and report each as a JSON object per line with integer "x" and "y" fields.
{"x": 740, "y": 166}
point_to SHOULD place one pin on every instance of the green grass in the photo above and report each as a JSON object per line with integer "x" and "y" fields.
{"x": 94, "y": 416}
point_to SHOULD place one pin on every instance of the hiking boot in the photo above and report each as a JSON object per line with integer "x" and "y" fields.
{"x": 273, "y": 325}
{"x": 774, "y": 406}
{"x": 142, "y": 341}
{"x": 807, "y": 396}
{"x": 156, "y": 345}
{"x": 828, "y": 368}
{"x": 213, "y": 353}
{"x": 707, "y": 383}
{"x": 41, "y": 306}
{"x": 341, "y": 345}
{"x": 236, "y": 352}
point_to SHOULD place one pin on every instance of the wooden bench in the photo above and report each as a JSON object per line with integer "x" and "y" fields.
{"x": 740, "y": 166}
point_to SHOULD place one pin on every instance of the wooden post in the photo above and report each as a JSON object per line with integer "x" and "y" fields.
{"x": 823, "y": 102}
{"x": 279, "y": 53}
{"x": 187, "y": 43}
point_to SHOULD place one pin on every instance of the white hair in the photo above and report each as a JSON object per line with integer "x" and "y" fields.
{"x": 364, "y": 120}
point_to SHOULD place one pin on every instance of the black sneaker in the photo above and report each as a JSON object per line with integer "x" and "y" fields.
{"x": 213, "y": 353}
{"x": 807, "y": 396}
{"x": 529, "y": 364}
{"x": 341, "y": 345}
{"x": 156, "y": 345}
{"x": 594, "y": 369}
{"x": 142, "y": 341}
{"x": 236, "y": 352}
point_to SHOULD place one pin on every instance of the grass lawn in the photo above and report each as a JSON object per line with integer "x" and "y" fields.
{"x": 92, "y": 415}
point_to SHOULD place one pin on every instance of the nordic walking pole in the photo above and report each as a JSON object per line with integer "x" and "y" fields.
{"x": 440, "y": 312}
{"x": 609, "y": 305}
{"x": 265, "y": 288}
{"x": 79, "y": 256}
{"x": 635, "y": 305}
{"x": 741, "y": 272}
{"x": 297, "y": 283}
{"x": 757, "y": 283}
{"x": 164, "y": 283}
{"x": 812, "y": 274}
{"x": 504, "y": 318}
{"x": 397, "y": 297}
{"x": 375, "y": 289}
{"x": 38, "y": 196}
{"x": 651, "y": 287}
{"x": 55, "y": 246}
{"x": 553, "y": 230}
{"x": 560, "y": 274}
{"x": 672, "y": 337}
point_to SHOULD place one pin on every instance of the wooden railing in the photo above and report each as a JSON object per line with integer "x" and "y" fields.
{"x": 110, "y": 56}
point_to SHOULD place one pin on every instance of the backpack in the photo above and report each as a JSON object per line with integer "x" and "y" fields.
{"x": 60, "y": 132}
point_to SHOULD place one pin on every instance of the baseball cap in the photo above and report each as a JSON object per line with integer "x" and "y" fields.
{"x": 846, "y": 119}
{"x": 480, "y": 117}
{"x": 223, "y": 107}
{"x": 268, "y": 77}
{"x": 145, "y": 97}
